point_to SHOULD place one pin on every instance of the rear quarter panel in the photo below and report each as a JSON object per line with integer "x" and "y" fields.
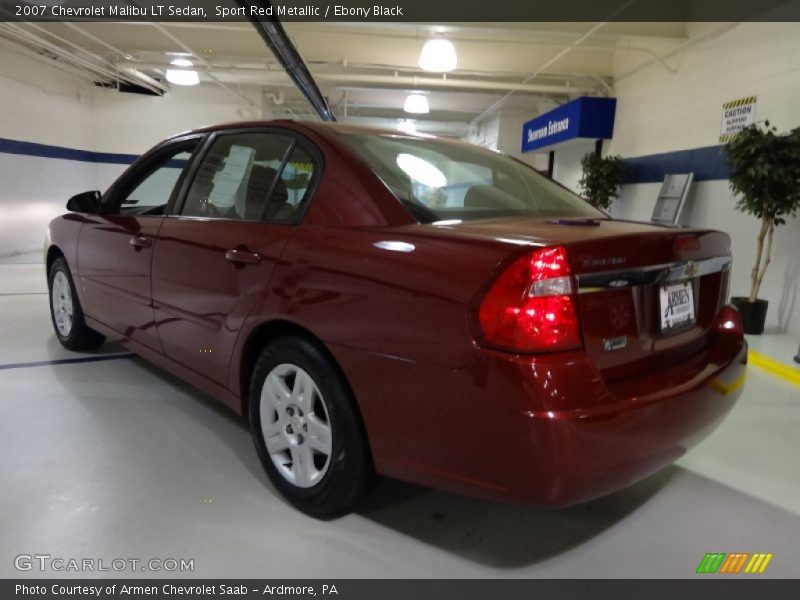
{"x": 398, "y": 292}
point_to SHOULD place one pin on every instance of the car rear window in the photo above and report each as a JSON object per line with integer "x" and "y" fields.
{"x": 438, "y": 180}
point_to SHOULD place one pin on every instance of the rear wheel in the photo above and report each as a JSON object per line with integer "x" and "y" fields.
{"x": 307, "y": 429}
{"x": 66, "y": 313}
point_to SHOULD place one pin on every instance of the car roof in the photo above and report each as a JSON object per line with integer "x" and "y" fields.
{"x": 324, "y": 129}
{"x": 315, "y": 125}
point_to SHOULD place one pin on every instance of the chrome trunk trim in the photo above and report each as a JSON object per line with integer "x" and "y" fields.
{"x": 658, "y": 274}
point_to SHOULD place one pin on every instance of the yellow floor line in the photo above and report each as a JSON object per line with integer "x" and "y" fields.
{"x": 774, "y": 367}
{"x": 727, "y": 388}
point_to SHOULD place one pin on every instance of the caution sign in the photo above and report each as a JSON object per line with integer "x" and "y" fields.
{"x": 736, "y": 115}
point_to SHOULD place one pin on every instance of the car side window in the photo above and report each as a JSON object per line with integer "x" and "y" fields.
{"x": 148, "y": 190}
{"x": 252, "y": 176}
{"x": 238, "y": 178}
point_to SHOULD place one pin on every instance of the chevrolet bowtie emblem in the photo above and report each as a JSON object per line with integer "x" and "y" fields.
{"x": 691, "y": 269}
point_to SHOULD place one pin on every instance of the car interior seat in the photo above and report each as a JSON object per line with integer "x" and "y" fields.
{"x": 489, "y": 196}
{"x": 257, "y": 193}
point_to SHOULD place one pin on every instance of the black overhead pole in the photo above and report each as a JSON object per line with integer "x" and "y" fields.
{"x": 273, "y": 34}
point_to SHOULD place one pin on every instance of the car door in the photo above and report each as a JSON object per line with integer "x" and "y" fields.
{"x": 214, "y": 257}
{"x": 116, "y": 246}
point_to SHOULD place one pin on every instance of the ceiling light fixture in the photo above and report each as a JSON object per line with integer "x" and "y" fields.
{"x": 417, "y": 104}
{"x": 438, "y": 56}
{"x": 182, "y": 76}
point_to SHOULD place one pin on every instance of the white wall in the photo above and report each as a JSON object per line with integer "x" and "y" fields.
{"x": 44, "y": 105}
{"x": 134, "y": 123}
{"x": 509, "y": 135}
{"x": 658, "y": 111}
{"x": 567, "y": 165}
{"x": 485, "y": 133}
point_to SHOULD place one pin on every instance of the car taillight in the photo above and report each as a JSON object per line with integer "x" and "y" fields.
{"x": 729, "y": 322}
{"x": 531, "y": 306}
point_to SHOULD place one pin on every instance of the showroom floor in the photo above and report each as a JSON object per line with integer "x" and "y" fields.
{"x": 114, "y": 458}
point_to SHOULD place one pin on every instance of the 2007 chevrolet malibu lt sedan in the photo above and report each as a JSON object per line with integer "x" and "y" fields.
{"x": 380, "y": 303}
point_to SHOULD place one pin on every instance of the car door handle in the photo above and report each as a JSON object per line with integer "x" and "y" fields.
{"x": 243, "y": 257}
{"x": 141, "y": 241}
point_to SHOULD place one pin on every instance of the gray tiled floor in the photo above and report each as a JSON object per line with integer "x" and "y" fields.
{"x": 117, "y": 459}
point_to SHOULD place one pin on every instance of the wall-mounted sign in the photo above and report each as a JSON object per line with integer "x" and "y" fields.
{"x": 736, "y": 115}
{"x": 584, "y": 117}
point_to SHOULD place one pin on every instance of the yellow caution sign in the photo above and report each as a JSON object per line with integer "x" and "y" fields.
{"x": 736, "y": 115}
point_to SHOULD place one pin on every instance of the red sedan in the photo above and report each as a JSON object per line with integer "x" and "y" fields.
{"x": 413, "y": 307}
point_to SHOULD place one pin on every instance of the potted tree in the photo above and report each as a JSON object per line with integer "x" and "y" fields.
{"x": 765, "y": 178}
{"x": 601, "y": 179}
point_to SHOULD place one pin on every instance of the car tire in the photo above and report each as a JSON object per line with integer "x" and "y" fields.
{"x": 66, "y": 312}
{"x": 307, "y": 428}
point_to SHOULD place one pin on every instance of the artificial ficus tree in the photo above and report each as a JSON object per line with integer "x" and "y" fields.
{"x": 765, "y": 178}
{"x": 601, "y": 179}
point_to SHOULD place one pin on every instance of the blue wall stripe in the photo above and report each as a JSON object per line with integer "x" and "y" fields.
{"x": 706, "y": 163}
{"x": 46, "y": 151}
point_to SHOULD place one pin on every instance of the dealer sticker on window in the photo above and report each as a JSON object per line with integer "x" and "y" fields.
{"x": 677, "y": 305}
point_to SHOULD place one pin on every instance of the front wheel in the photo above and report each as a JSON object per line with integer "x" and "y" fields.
{"x": 66, "y": 313}
{"x": 307, "y": 429}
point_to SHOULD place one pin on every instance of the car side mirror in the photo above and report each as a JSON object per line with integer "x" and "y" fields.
{"x": 86, "y": 202}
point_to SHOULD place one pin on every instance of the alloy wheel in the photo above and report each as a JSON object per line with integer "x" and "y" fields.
{"x": 295, "y": 425}
{"x": 61, "y": 303}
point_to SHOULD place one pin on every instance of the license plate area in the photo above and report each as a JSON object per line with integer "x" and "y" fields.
{"x": 676, "y": 306}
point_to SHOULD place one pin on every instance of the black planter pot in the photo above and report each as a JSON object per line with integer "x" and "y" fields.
{"x": 753, "y": 314}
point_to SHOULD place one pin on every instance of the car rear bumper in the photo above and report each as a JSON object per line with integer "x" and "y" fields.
{"x": 544, "y": 430}
{"x": 579, "y": 454}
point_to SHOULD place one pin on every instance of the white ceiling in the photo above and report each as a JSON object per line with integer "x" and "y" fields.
{"x": 365, "y": 69}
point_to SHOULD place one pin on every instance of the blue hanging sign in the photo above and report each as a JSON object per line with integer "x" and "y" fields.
{"x": 584, "y": 117}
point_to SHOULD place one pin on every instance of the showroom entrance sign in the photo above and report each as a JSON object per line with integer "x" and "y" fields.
{"x": 584, "y": 117}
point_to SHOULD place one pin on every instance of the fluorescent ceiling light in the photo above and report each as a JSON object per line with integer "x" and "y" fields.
{"x": 438, "y": 56}
{"x": 417, "y": 104}
{"x": 407, "y": 126}
{"x": 182, "y": 76}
